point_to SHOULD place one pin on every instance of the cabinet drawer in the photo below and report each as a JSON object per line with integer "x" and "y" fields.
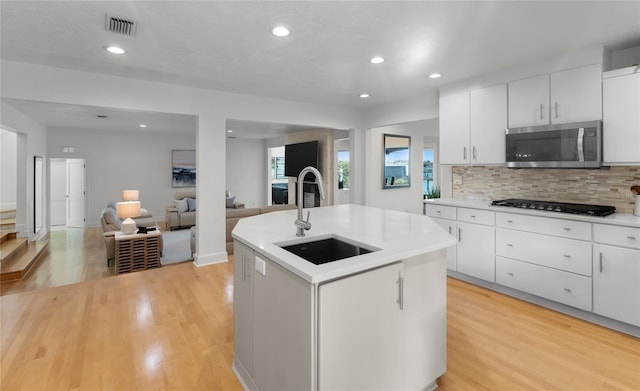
{"x": 551, "y": 251}
{"x": 477, "y": 216}
{"x": 545, "y": 225}
{"x": 440, "y": 211}
{"x": 616, "y": 235}
{"x": 563, "y": 287}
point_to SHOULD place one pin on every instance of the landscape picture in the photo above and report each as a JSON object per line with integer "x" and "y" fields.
{"x": 183, "y": 165}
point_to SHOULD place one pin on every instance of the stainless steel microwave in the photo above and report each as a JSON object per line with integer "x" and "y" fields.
{"x": 574, "y": 145}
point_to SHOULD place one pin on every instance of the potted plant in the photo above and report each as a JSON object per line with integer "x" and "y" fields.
{"x": 434, "y": 192}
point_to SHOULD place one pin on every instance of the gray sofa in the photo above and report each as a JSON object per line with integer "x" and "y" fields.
{"x": 176, "y": 217}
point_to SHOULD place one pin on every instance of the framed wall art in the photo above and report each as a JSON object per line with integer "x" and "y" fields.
{"x": 183, "y": 166}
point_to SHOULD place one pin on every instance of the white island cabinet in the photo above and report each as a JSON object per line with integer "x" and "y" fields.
{"x": 371, "y": 321}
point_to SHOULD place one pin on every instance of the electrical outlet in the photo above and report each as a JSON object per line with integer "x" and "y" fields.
{"x": 457, "y": 179}
{"x": 261, "y": 266}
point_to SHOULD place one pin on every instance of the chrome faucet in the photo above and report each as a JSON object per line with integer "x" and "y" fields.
{"x": 303, "y": 225}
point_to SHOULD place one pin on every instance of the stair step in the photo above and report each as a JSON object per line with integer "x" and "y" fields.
{"x": 6, "y": 235}
{"x": 20, "y": 265}
{"x": 11, "y": 248}
{"x": 7, "y": 214}
{"x": 8, "y": 224}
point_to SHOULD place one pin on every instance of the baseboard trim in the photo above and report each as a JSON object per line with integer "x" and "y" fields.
{"x": 210, "y": 259}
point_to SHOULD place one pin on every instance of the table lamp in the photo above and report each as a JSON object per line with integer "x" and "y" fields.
{"x": 127, "y": 209}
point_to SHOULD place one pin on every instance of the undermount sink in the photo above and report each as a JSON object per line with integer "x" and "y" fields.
{"x": 325, "y": 250}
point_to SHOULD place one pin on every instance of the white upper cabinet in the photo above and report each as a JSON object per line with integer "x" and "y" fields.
{"x": 567, "y": 96}
{"x": 454, "y": 128}
{"x": 621, "y": 119}
{"x": 576, "y": 95}
{"x": 529, "y": 102}
{"x": 488, "y": 121}
{"x": 472, "y": 126}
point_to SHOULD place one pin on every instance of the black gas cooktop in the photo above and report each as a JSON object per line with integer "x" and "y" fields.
{"x": 562, "y": 207}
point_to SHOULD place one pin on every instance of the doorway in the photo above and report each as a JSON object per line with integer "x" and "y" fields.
{"x": 67, "y": 193}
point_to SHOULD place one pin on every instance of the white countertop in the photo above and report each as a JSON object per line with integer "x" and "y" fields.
{"x": 398, "y": 235}
{"x": 624, "y": 219}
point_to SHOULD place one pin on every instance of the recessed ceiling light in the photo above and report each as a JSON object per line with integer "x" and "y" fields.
{"x": 229, "y": 131}
{"x": 114, "y": 49}
{"x": 434, "y": 75}
{"x": 376, "y": 60}
{"x": 280, "y": 31}
{"x": 364, "y": 95}
{"x": 143, "y": 125}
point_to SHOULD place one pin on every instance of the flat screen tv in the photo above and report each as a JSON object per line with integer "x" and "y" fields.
{"x": 299, "y": 156}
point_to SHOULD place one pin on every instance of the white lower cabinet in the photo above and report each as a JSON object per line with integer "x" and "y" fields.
{"x": 450, "y": 226}
{"x": 476, "y": 250}
{"x": 616, "y": 282}
{"x": 390, "y": 309}
{"x": 557, "y": 285}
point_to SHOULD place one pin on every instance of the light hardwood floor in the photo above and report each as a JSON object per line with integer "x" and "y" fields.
{"x": 172, "y": 328}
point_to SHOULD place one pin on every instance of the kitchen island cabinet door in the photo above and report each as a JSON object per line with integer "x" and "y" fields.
{"x": 476, "y": 250}
{"x": 282, "y": 329}
{"x": 616, "y": 283}
{"x": 243, "y": 306}
{"x": 360, "y": 317}
{"x": 454, "y": 128}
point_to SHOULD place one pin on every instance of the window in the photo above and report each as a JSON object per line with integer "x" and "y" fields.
{"x": 277, "y": 167}
{"x": 427, "y": 170}
{"x": 343, "y": 169}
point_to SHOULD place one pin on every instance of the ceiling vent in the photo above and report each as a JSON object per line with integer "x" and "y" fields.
{"x": 120, "y": 26}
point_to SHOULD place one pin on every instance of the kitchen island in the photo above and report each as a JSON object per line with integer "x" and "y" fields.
{"x": 370, "y": 321}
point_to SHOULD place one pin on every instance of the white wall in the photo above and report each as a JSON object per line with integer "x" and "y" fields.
{"x": 213, "y": 108}
{"x": 8, "y": 166}
{"x": 246, "y": 167}
{"x": 404, "y": 199}
{"x": 31, "y": 141}
{"x": 123, "y": 160}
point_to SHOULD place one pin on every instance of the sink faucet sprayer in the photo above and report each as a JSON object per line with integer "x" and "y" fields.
{"x": 301, "y": 224}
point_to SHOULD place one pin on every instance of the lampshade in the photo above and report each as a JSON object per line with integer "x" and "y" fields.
{"x": 130, "y": 195}
{"x": 128, "y": 209}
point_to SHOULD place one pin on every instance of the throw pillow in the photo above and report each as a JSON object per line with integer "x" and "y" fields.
{"x": 192, "y": 204}
{"x": 181, "y": 205}
{"x": 231, "y": 201}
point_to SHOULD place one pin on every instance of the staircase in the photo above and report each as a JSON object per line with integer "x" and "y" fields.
{"x": 18, "y": 255}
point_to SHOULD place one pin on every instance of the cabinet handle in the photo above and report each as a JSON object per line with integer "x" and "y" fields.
{"x": 464, "y": 153}
{"x": 556, "y": 109}
{"x": 510, "y": 221}
{"x": 438, "y": 212}
{"x": 567, "y": 290}
{"x": 511, "y": 274}
{"x": 449, "y": 230}
{"x": 400, "y": 300}
{"x": 473, "y": 216}
{"x": 541, "y": 111}
{"x": 509, "y": 244}
{"x": 459, "y": 234}
{"x": 567, "y": 256}
{"x": 601, "y": 263}
{"x": 631, "y": 237}
{"x": 567, "y": 229}
{"x": 475, "y": 153}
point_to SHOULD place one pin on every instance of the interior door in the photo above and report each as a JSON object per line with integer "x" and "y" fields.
{"x": 75, "y": 193}
{"x": 58, "y": 191}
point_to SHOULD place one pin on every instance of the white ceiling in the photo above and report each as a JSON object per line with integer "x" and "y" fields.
{"x": 227, "y": 45}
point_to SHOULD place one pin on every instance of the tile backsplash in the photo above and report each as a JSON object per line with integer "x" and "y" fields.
{"x": 600, "y": 187}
